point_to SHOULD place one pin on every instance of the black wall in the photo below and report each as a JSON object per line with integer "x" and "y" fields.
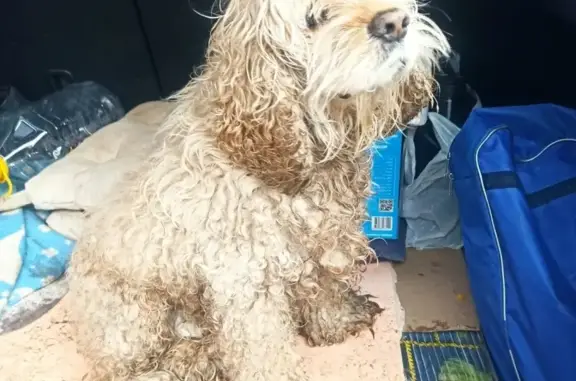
{"x": 513, "y": 51}
{"x": 177, "y": 38}
{"x": 141, "y": 50}
{"x": 516, "y": 51}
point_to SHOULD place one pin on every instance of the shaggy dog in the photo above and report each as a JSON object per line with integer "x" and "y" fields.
{"x": 244, "y": 227}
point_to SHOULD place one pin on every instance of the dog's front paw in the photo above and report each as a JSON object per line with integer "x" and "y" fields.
{"x": 332, "y": 321}
{"x": 363, "y": 313}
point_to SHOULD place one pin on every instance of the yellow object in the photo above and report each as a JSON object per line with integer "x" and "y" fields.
{"x": 5, "y": 177}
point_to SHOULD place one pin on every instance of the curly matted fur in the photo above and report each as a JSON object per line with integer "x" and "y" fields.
{"x": 244, "y": 227}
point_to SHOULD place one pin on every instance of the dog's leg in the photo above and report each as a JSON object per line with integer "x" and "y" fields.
{"x": 336, "y": 310}
{"x": 256, "y": 333}
{"x": 127, "y": 333}
{"x": 335, "y": 313}
{"x": 122, "y": 330}
{"x": 257, "y": 341}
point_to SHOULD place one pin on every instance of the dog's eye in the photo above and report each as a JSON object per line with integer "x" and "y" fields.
{"x": 312, "y": 21}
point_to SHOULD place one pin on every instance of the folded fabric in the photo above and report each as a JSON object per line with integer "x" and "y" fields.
{"x": 69, "y": 223}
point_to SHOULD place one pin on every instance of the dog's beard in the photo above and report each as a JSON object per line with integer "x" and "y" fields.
{"x": 365, "y": 84}
{"x": 354, "y": 63}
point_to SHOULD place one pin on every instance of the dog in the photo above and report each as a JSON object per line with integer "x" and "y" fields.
{"x": 244, "y": 227}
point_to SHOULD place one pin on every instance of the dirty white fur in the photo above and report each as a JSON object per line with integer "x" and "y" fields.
{"x": 200, "y": 265}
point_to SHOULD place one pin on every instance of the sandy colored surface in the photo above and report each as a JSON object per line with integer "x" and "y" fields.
{"x": 434, "y": 290}
{"x": 42, "y": 351}
{"x": 45, "y": 350}
{"x": 432, "y": 286}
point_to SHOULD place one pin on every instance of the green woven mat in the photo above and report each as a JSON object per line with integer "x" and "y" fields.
{"x": 446, "y": 356}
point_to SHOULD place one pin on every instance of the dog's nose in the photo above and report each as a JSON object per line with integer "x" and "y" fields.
{"x": 390, "y": 25}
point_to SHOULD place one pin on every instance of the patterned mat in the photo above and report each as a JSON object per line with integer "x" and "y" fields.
{"x": 446, "y": 356}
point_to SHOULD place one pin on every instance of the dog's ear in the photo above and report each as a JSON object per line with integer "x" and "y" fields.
{"x": 269, "y": 145}
{"x": 260, "y": 123}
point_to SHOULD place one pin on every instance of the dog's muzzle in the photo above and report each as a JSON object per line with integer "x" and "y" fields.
{"x": 389, "y": 26}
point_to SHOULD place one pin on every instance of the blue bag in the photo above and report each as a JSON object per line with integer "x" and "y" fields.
{"x": 514, "y": 174}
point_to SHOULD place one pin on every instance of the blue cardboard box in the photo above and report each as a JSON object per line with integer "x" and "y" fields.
{"x": 384, "y": 205}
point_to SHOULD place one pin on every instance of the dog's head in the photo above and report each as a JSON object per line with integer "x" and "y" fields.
{"x": 356, "y": 46}
{"x": 297, "y": 82}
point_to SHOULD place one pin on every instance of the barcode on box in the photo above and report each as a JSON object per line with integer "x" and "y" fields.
{"x": 385, "y": 205}
{"x": 381, "y": 223}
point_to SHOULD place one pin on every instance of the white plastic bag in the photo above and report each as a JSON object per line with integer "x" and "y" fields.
{"x": 429, "y": 206}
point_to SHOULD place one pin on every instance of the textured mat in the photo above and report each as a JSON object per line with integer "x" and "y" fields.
{"x": 446, "y": 356}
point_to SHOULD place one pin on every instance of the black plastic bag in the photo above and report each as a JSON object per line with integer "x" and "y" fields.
{"x": 36, "y": 134}
{"x": 10, "y": 99}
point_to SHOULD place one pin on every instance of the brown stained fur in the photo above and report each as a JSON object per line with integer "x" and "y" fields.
{"x": 166, "y": 351}
{"x": 270, "y": 148}
{"x": 267, "y": 149}
{"x": 327, "y": 305}
{"x": 415, "y": 96}
{"x": 337, "y": 314}
{"x": 261, "y": 121}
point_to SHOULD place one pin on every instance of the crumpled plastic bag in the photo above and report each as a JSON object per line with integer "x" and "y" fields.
{"x": 429, "y": 206}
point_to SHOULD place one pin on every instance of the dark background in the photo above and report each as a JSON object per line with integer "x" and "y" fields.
{"x": 513, "y": 51}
